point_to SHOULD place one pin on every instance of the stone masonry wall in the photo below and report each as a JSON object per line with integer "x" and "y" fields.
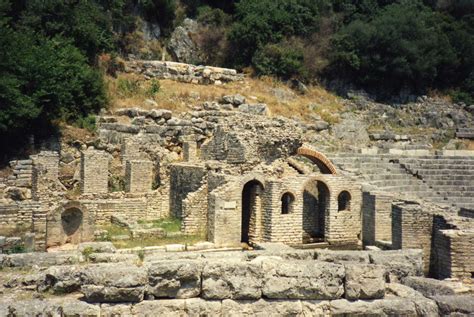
{"x": 184, "y": 179}
{"x": 195, "y": 208}
{"x": 183, "y": 72}
{"x": 138, "y": 176}
{"x": 378, "y": 211}
{"x": 287, "y": 228}
{"x": 412, "y": 229}
{"x": 132, "y": 207}
{"x": 94, "y": 172}
{"x": 461, "y": 252}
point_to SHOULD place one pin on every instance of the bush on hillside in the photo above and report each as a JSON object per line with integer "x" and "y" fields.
{"x": 283, "y": 60}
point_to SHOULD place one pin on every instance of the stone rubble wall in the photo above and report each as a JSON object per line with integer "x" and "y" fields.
{"x": 204, "y": 75}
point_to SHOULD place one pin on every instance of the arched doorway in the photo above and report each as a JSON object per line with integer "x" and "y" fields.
{"x": 71, "y": 221}
{"x": 252, "y": 212}
{"x": 315, "y": 204}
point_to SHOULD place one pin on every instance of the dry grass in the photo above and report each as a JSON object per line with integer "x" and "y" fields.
{"x": 179, "y": 96}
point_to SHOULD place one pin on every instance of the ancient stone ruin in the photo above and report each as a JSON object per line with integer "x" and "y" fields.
{"x": 300, "y": 230}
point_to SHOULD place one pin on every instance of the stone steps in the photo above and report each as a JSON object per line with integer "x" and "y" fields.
{"x": 380, "y": 177}
{"x": 466, "y": 172}
{"x": 399, "y": 182}
{"x": 434, "y": 178}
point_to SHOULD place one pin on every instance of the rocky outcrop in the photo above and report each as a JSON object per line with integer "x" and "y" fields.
{"x": 181, "y": 44}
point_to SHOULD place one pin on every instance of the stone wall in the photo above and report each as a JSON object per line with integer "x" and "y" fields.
{"x": 69, "y": 223}
{"x": 133, "y": 207}
{"x": 376, "y": 217}
{"x": 453, "y": 250}
{"x": 138, "y": 176}
{"x": 94, "y": 172}
{"x": 287, "y": 228}
{"x": 194, "y": 211}
{"x": 225, "y": 210}
{"x": 288, "y": 283}
{"x": 183, "y": 72}
{"x": 412, "y": 229}
{"x": 184, "y": 179}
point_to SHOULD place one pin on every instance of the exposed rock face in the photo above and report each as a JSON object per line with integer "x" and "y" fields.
{"x": 181, "y": 44}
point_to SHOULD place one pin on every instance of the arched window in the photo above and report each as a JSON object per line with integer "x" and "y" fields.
{"x": 287, "y": 200}
{"x": 344, "y": 201}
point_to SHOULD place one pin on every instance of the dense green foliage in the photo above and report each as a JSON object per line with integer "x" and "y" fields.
{"x": 43, "y": 75}
{"x": 384, "y": 46}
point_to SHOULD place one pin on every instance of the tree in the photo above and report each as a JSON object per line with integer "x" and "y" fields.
{"x": 402, "y": 46}
{"x": 261, "y": 22}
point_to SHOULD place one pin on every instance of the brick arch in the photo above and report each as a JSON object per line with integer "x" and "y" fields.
{"x": 318, "y": 158}
{"x": 252, "y": 177}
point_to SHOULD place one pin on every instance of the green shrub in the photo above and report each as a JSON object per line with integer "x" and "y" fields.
{"x": 88, "y": 122}
{"x": 116, "y": 183}
{"x": 279, "y": 59}
{"x": 128, "y": 87}
{"x": 153, "y": 89}
{"x": 86, "y": 253}
{"x": 212, "y": 16}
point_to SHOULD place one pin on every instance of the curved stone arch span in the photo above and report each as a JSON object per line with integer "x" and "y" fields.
{"x": 318, "y": 158}
{"x": 252, "y": 177}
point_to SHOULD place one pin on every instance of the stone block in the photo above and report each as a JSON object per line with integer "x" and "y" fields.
{"x": 342, "y": 256}
{"x": 232, "y": 279}
{"x": 175, "y": 247}
{"x": 261, "y": 308}
{"x": 455, "y": 305}
{"x": 97, "y": 247}
{"x": 302, "y": 280}
{"x": 378, "y": 307}
{"x": 364, "y": 281}
{"x": 428, "y": 286}
{"x": 399, "y": 263}
{"x": 174, "y": 279}
{"x": 201, "y": 307}
{"x": 169, "y": 307}
{"x": 112, "y": 283}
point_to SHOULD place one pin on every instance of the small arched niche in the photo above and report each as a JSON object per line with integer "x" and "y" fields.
{"x": 344, "y": 201}
{"x": 71, "y": 220}
{"x": 287, "y": 201}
